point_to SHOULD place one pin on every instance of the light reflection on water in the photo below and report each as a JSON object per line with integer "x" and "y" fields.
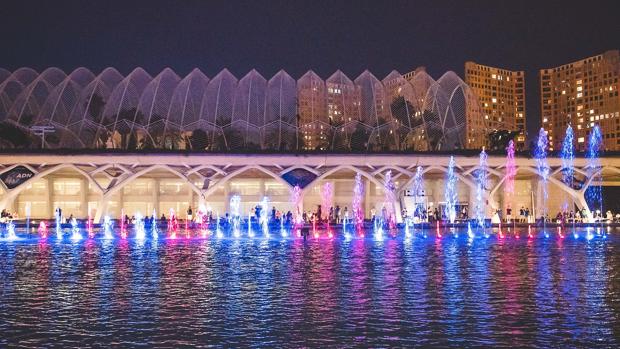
{"x": 325, "y": 293}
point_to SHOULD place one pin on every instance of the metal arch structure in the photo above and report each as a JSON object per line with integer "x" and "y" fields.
{"x": 254, "y": 113}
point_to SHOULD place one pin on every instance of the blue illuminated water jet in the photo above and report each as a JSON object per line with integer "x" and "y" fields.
{"x": 594, "y": 196}
{"x": 540, "y": 154}
{"x": 481, "y": 184}
{"x": 450, "y": 193}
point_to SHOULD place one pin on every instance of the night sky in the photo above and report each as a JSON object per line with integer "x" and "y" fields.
{"x": 297, "y": 36}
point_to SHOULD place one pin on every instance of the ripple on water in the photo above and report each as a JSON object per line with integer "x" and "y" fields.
{"x": 326, "y": 293}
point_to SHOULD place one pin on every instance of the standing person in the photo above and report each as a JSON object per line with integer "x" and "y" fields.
{"x": 373, "y": 214}
{"x": 508, "y": 214}
{"x": 319, "y": 213}
{"x": 338, "y": 214}
{"x": 190, "y": 215}
{"x": 527, "y": 215}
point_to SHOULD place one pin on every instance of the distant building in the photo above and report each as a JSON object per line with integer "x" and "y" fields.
{"x": 501, "y": 95}
{"x": 582, "y": 94}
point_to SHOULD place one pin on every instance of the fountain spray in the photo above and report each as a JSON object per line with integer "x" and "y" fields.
{"x": 568, "y": 167}
{"x": 594, "y": 193}
{"x": 543, "y": 171}
{"x": 139, "y": 227}
{"x": 75, "y": 230}
{"x": 107, "y": 227}
{"x": 358, "y": 211}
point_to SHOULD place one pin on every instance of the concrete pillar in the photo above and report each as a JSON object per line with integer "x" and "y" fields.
{"x": 50, "y": 196}
{"x": 471, "y": 211}
{"x": 367, "y": 201}
{"x": 120, "y": 202}
{"x": 226, "y": 198}
{"x": 84, "y": 198}
{"x": 539, "y": 200}
{"x": 155, "y": 196}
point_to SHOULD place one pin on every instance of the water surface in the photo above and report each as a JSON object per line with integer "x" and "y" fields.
{"x": 321, "y": 293}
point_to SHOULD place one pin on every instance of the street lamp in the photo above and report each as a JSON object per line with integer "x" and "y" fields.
{"x": 41, "y": 131}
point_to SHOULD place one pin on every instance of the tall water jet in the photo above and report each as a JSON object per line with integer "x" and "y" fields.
{"x": 58, "y": 224}
{"x": 10, "y": 231}
{"x": 481, "y": 184}
{"x": 358, "y": 210}
{"x": 139, "y": 227}
{"x": 123, "y": 230}
{"x": 75, "y": 230}
{"x": 218, "y": 229}
{"x": 107, "y": 227}
{"x": 89, "y": 227}
{"x": 418, "y": 189}
{"x": 296, "y": 201}
{"x": 173, "y": 225}
{"x": 389, "y": 189}
{"x": 154, "y": 231}
{"x": 568, "y": 167}
{"x": 511, "y": 173}
{"x": 42, "y": 230}
{"x": 345, "y": 231}
{"x": 28, "y": 207}
{"x": 543, "y": 171}
{"x": 250, "y": 231}
{"x": 326, "y": 200}
{"x": 235, "y": 205}
{"x": 283, "y": 231}
{"x": 594, "y": 195}
{"x": 264, "y": 217}
{"x": 450, "y": 193}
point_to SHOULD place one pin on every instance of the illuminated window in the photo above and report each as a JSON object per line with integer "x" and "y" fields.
{"x": 580, "y": 140}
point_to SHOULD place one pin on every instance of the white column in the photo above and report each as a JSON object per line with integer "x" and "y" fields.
{"x": 84, "y": 197}
{"x": 367, "y": 203}
{"x": 50, "y": 196}
{"x": 226, "y": 199}
{"x": 155, "y": 196}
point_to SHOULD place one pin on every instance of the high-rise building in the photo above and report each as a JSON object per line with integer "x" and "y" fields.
{"x": 501, "y": 94}
{"x": 582, "y": 94}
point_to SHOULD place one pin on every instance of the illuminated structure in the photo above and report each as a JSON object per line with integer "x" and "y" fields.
{"x": 501, "y": 95}
{"x": 224, "y": 114}
{"x": 103, "y": 183}
{"x": 582, "y": 94}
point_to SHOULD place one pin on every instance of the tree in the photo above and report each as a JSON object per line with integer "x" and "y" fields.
{"x": 199, "y": 140}
{"x": 498, "y": 139}
{"x": 12, "y": 136}
{"x": 95, "y": 107}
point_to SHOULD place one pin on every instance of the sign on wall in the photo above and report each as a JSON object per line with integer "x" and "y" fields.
{"x": 16, "y": 176}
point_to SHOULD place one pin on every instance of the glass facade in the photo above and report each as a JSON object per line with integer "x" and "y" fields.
{"x": 227, "y": 114}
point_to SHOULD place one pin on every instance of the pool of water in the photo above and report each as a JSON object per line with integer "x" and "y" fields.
{"x": 448, "y": 292}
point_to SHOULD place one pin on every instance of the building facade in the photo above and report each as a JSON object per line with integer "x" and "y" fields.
{"x": 138, "y": 111}
{"x": 582, "y": 94}
{"x": 501, "y": 94}
{"x": 102, "y": 184}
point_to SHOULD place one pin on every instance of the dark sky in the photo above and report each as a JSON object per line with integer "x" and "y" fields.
{"x": 297, "y": 36}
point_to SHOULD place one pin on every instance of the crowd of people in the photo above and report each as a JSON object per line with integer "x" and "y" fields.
{"x": 6, "y": 216}
{"x": 338, "y": 215}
